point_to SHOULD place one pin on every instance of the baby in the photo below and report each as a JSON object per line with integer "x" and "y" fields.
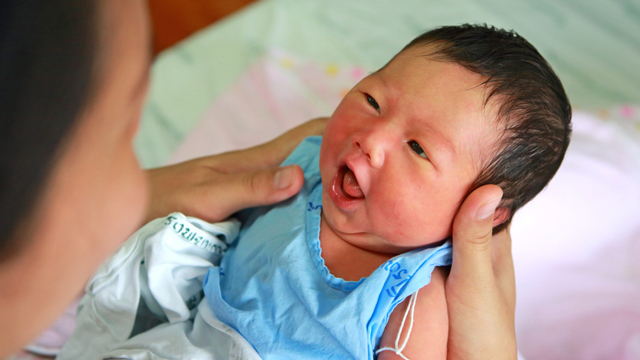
{"x": 335, "y": 271}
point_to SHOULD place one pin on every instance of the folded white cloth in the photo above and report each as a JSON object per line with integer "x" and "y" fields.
{"x": 145, "y": 301}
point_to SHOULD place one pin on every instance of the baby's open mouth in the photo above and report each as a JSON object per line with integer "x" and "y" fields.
{"x": 350, "y": 186}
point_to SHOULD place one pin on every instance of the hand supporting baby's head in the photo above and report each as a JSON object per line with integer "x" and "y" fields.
{"x": 457, "y": 108}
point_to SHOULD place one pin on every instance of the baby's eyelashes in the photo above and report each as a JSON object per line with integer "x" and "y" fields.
{"x": 373, "y": 102}
{"x": 417, "y": 148}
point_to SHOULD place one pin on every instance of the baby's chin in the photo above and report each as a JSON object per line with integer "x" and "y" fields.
{"x": 425, "y": 241}
{"x": 370, "y": 241}
{"x": 358, "y": 229}
{"x": 402, "y": 247}
{"x": 340, "y": 223}
{"x": 413, "y": 235}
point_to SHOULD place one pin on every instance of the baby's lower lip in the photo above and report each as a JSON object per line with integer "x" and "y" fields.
{"x": 337, "y": 193}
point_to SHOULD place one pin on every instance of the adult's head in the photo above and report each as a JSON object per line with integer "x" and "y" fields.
{"x": 73, "y": 75}
{"x": 532, "y": 107}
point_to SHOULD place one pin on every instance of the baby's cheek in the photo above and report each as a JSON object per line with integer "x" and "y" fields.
{"x": 394, "y": 218}
{"x": 410, "y": 220}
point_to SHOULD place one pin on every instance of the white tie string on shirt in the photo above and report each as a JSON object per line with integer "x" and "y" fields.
{"x": 398, "y": 349}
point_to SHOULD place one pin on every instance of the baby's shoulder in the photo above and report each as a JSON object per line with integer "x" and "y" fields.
{"x": 427, "y": 311}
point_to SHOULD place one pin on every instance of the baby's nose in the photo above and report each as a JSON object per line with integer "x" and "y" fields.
{"x": 374, "y": 154}
{"x": 376, "y": 142}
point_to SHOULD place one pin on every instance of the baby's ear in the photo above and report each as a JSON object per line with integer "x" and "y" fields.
{"x": 500, "y": 216}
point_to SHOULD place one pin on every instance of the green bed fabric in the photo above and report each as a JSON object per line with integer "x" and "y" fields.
{"x": 593, "y": 45}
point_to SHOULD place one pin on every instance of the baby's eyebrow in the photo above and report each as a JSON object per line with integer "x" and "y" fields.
{"x": 440, "y": 138}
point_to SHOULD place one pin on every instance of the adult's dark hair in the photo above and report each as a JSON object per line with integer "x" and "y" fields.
{"x": 532, "y": 105}
{"x": 47, "y": 53}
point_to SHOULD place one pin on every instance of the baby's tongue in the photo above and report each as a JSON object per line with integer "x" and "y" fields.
{"x": 350, "y": 185}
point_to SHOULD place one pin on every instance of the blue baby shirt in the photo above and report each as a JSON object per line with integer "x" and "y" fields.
{"x": 274, "y": 288}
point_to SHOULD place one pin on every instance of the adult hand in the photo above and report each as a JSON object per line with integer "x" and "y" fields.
{"x": 480, "y": 289}
{"x": 214, "y": 187}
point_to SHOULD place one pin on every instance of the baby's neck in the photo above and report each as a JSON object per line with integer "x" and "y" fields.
{"x": 345, "y": 260}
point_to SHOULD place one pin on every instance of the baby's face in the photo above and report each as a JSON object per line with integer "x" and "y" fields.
{"x": 401, "y": 151}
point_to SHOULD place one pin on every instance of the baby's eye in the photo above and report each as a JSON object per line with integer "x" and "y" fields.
{"x": 373, "y": 103}
{"x": 417, "y": 148}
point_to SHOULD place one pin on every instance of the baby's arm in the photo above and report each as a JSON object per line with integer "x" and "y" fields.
{"x": 428, "y": 338}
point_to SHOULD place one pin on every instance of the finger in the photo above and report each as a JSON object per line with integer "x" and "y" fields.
{"x": 276, "y": 151}
{"x": 503, "y": 266}
{"x": 309, "y": 128}
{"x": 472, "y": 231}
{"x": 269, "y": 154}
{"x": 262, "y": 187}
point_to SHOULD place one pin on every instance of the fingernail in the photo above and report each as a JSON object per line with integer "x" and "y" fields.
{"x": 488, "y": 208}
{"x": 284, "y": 178}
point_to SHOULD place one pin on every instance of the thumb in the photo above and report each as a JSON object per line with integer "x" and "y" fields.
{"x": 472, "y": 232}
{"x": 269, "y": 186}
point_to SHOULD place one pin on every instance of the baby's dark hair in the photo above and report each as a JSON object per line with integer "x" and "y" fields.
{"x": 532, "y": 105}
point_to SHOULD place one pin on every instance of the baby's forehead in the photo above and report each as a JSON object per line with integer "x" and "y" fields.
{"x": 431, "y": 75}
